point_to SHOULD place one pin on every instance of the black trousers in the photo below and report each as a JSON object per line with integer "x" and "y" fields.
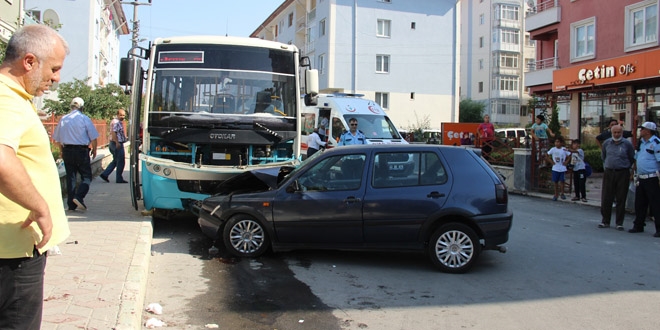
{"x": 615, "y": 188}
{"x": 22, "y": 292}
{"x": 647, "y": 194}
{"x": 580, "y": 183}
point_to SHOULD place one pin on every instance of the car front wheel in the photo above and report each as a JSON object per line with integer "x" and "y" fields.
{"x": 245, "y": 237}
{"x": 454, "y": 248}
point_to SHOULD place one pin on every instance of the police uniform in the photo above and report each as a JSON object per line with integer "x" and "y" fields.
{"x": 648, "y": 188}
{"x": 348, "y": 138}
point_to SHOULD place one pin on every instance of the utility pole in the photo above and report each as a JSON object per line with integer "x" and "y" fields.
{"x": 136, "y": 23}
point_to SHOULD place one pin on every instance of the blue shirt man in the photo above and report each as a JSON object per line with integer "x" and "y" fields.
{"x": 353, "y": 136}
{"x": 647, "y": 192}
{"x": 74, "y": 133}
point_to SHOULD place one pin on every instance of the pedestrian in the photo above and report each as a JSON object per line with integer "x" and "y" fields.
{"x": 558, "y": 156}
{"x": 314, "y": 143}
{"x": 648, "y": 185}
{"x": 323, "y": 127}
{"x": 608, "y": 132}
{"x": 353, "y": 136}
{"x": 618, "y": 156}
{"x": 486, "y": 133}
{"x": 579, "y": 171}
{"x": 32, "y": 217}
{"x": 74, "y": 133}
{"x": 116, "y": 146}
{"x": 540, "y": 132}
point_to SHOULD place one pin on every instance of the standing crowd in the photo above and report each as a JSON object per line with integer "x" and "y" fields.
{"x": 626, "y": 168}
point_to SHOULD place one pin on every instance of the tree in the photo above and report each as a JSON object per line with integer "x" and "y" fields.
{"x": 100, "y": 103}
{"x": 470, "y": 111}
{"x": 554, "y": 121}
{"x": 3, "y": 48}
{"x": 417, "y": 129}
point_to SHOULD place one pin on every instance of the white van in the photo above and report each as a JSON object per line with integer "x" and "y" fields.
{"x": 511, "y": 134}
{"x": 337, "y": 109}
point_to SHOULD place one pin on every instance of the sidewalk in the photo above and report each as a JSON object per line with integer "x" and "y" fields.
{"x": 99, "y": 280}
{"x": 594, "y": 183}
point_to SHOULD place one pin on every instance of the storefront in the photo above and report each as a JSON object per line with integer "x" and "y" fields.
{"x": 625, "y": 88}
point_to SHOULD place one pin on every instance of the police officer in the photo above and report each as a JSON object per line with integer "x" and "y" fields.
{"x": 648, "y": 170}
{"x": 353, "y": 136}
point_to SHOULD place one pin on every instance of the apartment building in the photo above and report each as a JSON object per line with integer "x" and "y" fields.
{"x": 495, "y": 54}
{"x": 401, "y": 53}
{"x": 596, "y": 62}
{"x": 92, "y": 29}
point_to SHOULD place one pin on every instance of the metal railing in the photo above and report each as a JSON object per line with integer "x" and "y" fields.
{"x": 540, "y": 7}
{"x": 547, "y": 63}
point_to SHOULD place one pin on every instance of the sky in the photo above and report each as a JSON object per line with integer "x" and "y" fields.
{"x": 170, "y": 18}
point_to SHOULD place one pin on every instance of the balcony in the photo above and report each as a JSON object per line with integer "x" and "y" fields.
{"x": 507, "y": 23}
{"x": 543, "y": 14}
{"x": 540, "y": 72}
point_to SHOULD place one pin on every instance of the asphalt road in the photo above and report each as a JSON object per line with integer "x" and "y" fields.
{"x": 560, "y": 272}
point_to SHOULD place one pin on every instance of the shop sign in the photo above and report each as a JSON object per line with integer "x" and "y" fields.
{"x": 627, "y": 68}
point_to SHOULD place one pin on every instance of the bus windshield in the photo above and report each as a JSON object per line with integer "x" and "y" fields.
{"x": 222, "y": 92}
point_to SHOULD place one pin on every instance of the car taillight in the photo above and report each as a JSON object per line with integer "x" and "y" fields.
{"x": 501, "y": 194}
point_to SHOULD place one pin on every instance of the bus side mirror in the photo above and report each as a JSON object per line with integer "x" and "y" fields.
{"x": 311, "y": 87}
{"x": 126, "y": 71}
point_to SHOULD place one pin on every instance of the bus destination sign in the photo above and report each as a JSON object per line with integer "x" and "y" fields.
{"x": 181, "y": 57}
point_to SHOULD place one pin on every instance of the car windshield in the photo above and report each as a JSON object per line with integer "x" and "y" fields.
{"x": 299, "y": 167}
{"x": 375, "y": 127}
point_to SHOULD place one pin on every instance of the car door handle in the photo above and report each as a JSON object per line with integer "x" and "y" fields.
{"x": 351, "y": 199}
{"x": 435, "y": 194}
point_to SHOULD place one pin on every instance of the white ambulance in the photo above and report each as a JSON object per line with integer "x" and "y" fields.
{"x": 335, "y": 110}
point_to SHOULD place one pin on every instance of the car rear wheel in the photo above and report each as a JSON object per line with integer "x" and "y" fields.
{"x": 245, "y": 237}
{"x": 454, "y": 248}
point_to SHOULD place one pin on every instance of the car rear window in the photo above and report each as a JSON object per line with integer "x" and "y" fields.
{"x": 401, "y": 169}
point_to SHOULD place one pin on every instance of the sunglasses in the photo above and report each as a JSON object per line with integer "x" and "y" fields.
{"x": 353, "y": 124}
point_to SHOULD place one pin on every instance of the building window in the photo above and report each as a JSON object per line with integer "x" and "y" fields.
{"x": 530, "y": 64}
{"x": 511, "y": 37}
{"x": 509, "y": 12}
{"x": 412, "y": 95}
{"x": 383, "y": 99}
{"x": 413, "y": 25}
{"x": 505, "y": 83}
{"x": 290, "y": 19}
{"x": 386, "y": 1}
{"x": 384, "y": 28}
{"x": 641, "y": 25}
{"x": 322, "y": 28}
{"x": 321, "y": 64}
{"x": 382, "y": 63}
{"x": 481, "y": 87}
{"x": 583, "y": 39}
{"x": 481, "y": 19}
{"x": 481, "y": 64}
{"x": 509, "y": 61}
{"x": 481, "y": 42}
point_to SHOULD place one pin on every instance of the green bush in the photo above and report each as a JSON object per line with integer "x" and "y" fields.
{"x": 592, "y": 156}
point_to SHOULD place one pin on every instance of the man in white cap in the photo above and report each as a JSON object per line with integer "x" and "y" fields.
{"x": 74, "y": 133}
{"x": 647, "y": 192}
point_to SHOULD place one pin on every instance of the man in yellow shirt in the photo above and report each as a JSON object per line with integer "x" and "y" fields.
{"x": 32, "y": 217}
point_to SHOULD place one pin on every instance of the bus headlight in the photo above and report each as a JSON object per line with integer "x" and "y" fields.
{"x": 167, "y": 171}
{"x": 156, "y": 168}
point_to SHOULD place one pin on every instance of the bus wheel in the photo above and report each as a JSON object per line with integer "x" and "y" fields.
{"x": 245, "y": 237}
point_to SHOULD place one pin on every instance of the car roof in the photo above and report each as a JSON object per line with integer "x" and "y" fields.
{"x": 393, "y": 147}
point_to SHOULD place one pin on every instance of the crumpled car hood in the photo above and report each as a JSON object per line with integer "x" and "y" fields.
{"x": 251, "y": 181}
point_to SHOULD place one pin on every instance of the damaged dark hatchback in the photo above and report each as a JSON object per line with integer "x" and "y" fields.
{"x": 452, "y": 205}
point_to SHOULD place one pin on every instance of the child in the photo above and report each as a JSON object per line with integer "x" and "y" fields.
{"x": 558, "y": 157}
{"x": 579, "y": 172}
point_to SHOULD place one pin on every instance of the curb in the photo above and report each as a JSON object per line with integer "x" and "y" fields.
{"x": 134, "y": 290}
